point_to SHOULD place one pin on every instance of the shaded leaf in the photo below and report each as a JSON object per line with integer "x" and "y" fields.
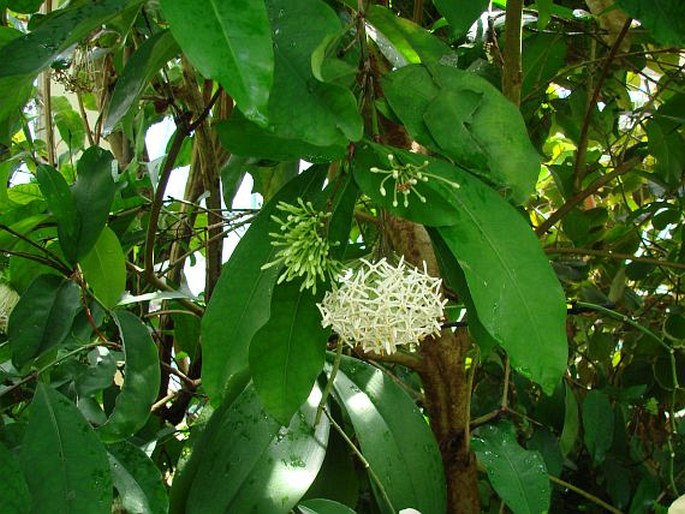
{"x": 137, "y": 480}
{"x": 42, "y": 318}
{"x": 141, "y": 380}
{"x": 242, "y": 297}
{"x": 229, "y": 41}
{"x": 287, "y": 353}
{"x": 104, "y": 267}
{"x": 461, "y": 15}
{"x": 253, "y": 464}
{"x": 664, "y": 18}
{"x": 569, "y": 433}
{"x": 141, "y": 67}
{"x": 69, "y": 123}
{"x": 14, "y": 491}
{"x": 598, "y": 424}
{"x": 64, "y": 462}
{"x": 394, "y": 438}
{"x": 518, "y": 476}
{"x": 323, "y": 506}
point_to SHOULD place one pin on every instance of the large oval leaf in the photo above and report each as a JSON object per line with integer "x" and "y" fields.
{"x": 64, "y": 462}
{"x": 253, "y": 464}
{"x": 104, "y": 268}
{"x": 141, "y": 380}
{"x": 465, "y": 118}
{"x": 288, "y": 352}
{"x": 519, "y": 476}
{"x": 598, "y": 424}
{"x": 42, "y": 318}
{"x": 241, "y": 300}
{"x": 230, "y": 41}
{"x": 137, "y": 480}
{"x": 394, "y": 438}
{"x": 14, "y": 492}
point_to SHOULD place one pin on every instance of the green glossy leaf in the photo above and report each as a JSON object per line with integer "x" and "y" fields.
{"x": 598, "y": 424}
{"x": 402, "y": 41}
{"x": 141, "y": 380}
{"x": 104, "y": 268}
{"x": 58, "y": 196}
{"x": 665, "y": 19}
{"x": 326, "y": 114}
{"x": 42, "y": 318}
{"x": 287, "y": 353}
{"x": 517, "y": 297}
{"x": 229, "y": 41}
{"x": 462, "y": 116}
{"x": 394, "y": 438}
{"x": 24, "y": 57}
{"x": 64, "y": 462}
{"x": 137, "y": 480}
{"x": 99, "y": 374}
{"x": 242, "y": 297}
{"x": 323, "y": 506}
{"x": 93, "y": 193}
{"x": 253, "y": 464}
{"x": 14, "y": 492}
{"x": 142, "y": 66}
{"x": 666, "y": 145}
{"x": 24, "y": 6}
{"x": 242, "y": 137}
{"x": 543, "y": 55}
{"x": 461, "y": 15}
{"x": 518, "y": 476}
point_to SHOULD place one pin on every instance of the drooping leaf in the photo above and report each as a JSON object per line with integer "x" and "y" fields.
{"x": 64, "y": 462}
{"x": 402, "y": 41}
{"x": 253, "y": 464}
{"x": 137, "y": 480}
{"x": 323, "y": 506}
{"x": 461, "y": 15}
{"x": 665, "y": 19}
{"x": 229, "y": 41}
{"x": 69, "y": 123}
{"x": 142, "y": 66}
{"x": 58, "y": 196}
{"x": 462, "y": 116}
{"x": 104, "y": 267}
{"x": 241, "y": 300}
{"x": 518, "y": 476}
{"x": 42, "y": 318}
{"x": 141, "y": 380}
{"x": 598, "y": 424}
{"x": 93, "y": 193}
{"x": 571, "y": 428}
{"x": 542, "y": 57}
{"x": 394, "y": 438}
{"x": 14, "y": 492}
{"x": 287, "y": 353}
{"x": 326, "y": 114}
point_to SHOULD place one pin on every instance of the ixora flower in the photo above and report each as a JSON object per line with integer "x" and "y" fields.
{"x": 406, "y": 176}
{"x": 380, "y": 306}
{"x": 305, "y": 250}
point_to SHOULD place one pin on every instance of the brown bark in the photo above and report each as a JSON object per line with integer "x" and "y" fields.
{"x": 444, "y": 379}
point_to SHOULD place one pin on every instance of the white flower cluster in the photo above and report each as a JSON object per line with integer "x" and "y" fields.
{"x": 380, "y": 306}
{"x": 406, "y": 176}
{"x": 306, "y": 249}
{"x": 8, "y": 299}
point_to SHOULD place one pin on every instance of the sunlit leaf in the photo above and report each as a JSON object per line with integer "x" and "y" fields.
{"x": 104, "y": 267}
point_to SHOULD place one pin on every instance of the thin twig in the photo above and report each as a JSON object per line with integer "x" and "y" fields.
{"x": 584, "y": 494}
{"x": 610, "y": 254}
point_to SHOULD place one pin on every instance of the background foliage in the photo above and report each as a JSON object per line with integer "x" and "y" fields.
{"x": 551, "y": 136}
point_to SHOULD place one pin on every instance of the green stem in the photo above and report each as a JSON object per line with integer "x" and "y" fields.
{"x": 584, "y": 494}
{"x": 331, "y": 378}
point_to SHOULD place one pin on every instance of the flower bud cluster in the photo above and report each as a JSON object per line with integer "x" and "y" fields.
{"x": 304, "y": 246}
{"x": 406, "y": 177}
{"x": 380, "y": 306}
